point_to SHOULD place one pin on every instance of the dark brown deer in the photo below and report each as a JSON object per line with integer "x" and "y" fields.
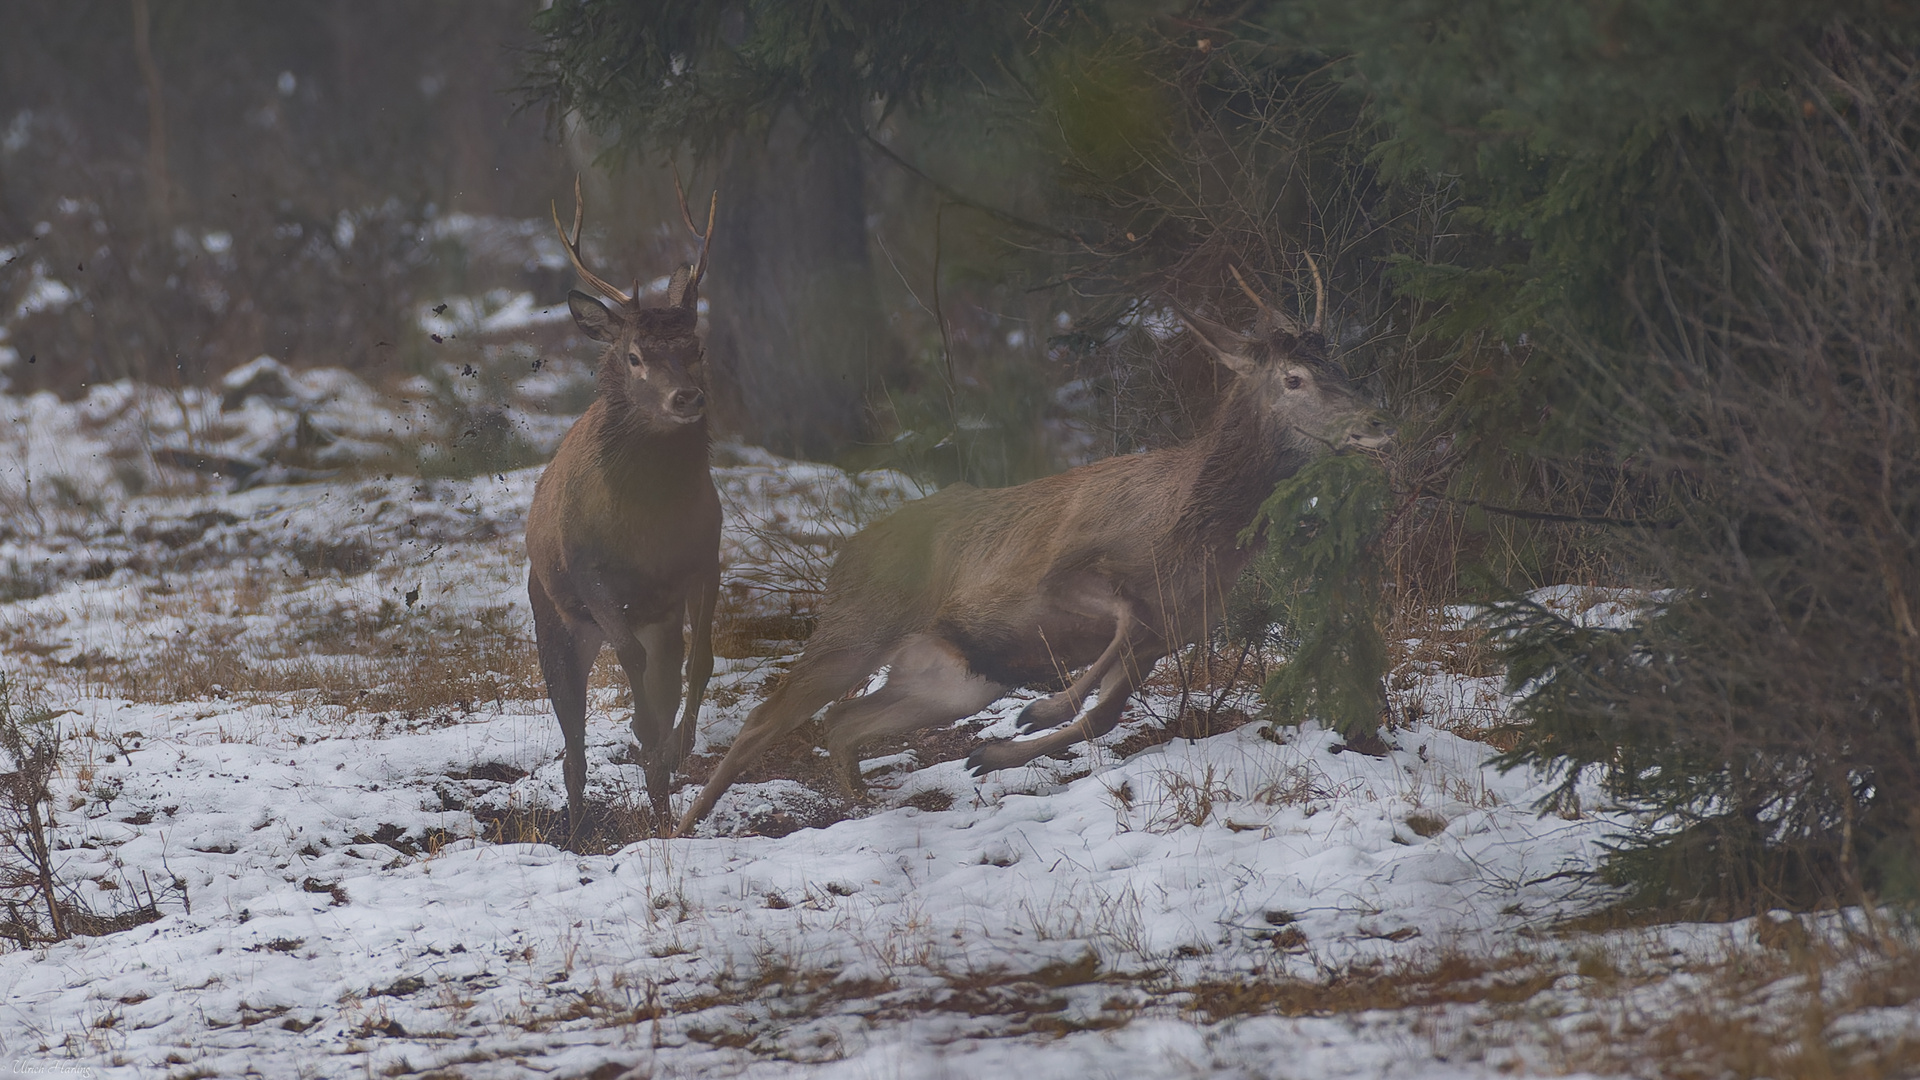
{"x": 1107, "y": 567}
{"x": 624, "y": 531}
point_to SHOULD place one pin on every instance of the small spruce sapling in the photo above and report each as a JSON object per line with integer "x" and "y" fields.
{"x": 1321, "y": 573}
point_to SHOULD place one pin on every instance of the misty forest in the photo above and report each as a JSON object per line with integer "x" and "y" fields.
{"x": 834, "y": 538}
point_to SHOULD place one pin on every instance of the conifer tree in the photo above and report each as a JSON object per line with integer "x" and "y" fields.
{"x": 783, "y": 100}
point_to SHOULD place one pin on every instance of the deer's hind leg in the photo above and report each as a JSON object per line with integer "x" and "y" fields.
{"x": 821, "y": 675}
{"x": 929, "y": 683}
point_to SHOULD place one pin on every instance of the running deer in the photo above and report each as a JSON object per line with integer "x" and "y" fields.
{"x": 624, "y": 531}
{"x": 1107, "y": 568}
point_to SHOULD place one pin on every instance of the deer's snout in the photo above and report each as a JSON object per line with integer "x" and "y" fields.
{"x": 1372, "y": 435}
{"x": 687, "y": 403}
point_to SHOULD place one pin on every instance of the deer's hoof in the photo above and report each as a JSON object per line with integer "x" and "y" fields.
{"x": 1030, "y": 722}
{"x": 685, "y": 828}
{"x": 986, "y": 758}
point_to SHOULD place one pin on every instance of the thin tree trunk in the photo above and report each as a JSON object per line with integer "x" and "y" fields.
{"x": 157, "y": 187}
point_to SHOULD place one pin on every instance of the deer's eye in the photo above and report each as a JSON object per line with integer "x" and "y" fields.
{"x": 633, "y": 360}
{"x": 1295, "y": 382}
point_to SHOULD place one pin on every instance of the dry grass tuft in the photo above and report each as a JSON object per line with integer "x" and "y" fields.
{"x": 1193, "y": 722}
{"x": 1450, "y": 978}
{"x": 391, "y": 660}
{"x": 1190, "y": 801}
{"x": 1425, "y": 637}
{"x": 1488, "y": 728}
{"x": 1041, "y": 1001}
{"x": 1794, "y": 1003}
{"x": 933, "y": 800}
{"x": 1298, "y": 785}
{"x": 1797, "y": 1004}
{"x": 610, "y": 825}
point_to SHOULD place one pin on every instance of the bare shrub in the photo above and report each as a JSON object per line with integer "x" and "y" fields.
{"x": 744, "y": 627}
{"x": 777, "y": 579}
{"x": 30, "y": 738}
{"x": 35, "y": 907}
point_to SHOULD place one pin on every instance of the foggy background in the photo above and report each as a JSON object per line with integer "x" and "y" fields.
{"x": 184, "y": 187}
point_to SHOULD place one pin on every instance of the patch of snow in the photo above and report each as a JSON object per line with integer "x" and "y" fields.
{"x": 335, "y": 900}
{"x": 498, "y": 311}
{"x": 43, "y": 294}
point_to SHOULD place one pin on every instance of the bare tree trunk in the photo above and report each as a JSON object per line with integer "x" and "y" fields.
{"x": 43, "y": 864}
{"x": 796, "y": 336}
{"x": 157, "y": 192}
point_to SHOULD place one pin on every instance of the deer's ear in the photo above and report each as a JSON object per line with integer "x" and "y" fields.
{"x": 591, "y": 316}
{"x": 1226, "y": 346}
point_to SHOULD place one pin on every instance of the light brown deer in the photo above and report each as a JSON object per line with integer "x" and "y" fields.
{"x": 1107, "y": 567}
{"x": 624, "y": 531}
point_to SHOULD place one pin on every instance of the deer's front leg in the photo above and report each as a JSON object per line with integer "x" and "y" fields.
{"x": 1139, "y": 650}
{"x": 1057, "y": 709}
{"x": 651, "y": 659}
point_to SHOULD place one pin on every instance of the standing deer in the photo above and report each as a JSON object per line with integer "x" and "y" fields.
{"x": 624, "y": 531}
{"x": 1107, "y": 567}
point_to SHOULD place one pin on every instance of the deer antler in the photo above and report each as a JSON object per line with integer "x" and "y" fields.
{"x": 572, "y": 244}
{"x": 1286, "y": 324}
{"x": 1319, "y": 294}
{"x": 706, "y": 238}
{"x": 1290, "y": 325}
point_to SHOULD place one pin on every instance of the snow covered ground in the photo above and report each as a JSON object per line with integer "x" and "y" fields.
{"x": 303, "y": 722}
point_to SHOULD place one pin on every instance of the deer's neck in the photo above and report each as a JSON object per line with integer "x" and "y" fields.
{"x": 1239, "y": 459}
{"x": 636, "y": 457}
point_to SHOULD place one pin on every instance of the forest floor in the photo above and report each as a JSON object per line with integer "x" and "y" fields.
{"x": 309, "y": 781}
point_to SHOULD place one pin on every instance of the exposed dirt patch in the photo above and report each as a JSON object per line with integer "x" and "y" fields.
{"x": 607, "y": 827}
{"x": 178, "y": 534}
{"x": 799, "y": 758}
{"x": 816, "y": 812}
{"x": 343, "y": 557}
{"x": 497, "y": 772}
{"x": 932, "y": 801}
{"x": 738, "y": 635}
{"x": 1366, "y": 743}
{"x": 795, "y": 757}
{"x": 933, "y": 745}
{"x": 1451, "y": 978}
{"x": 1029, "y": 1002}
{"x": 1194, "y": 723}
